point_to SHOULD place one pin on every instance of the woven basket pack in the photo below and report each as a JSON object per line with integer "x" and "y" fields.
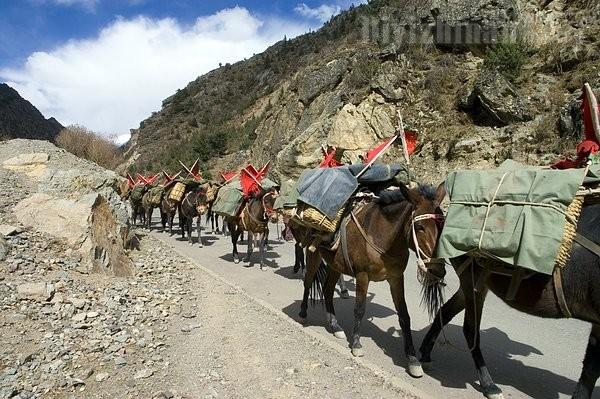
{"x": 313, "y": 218}
{"x": 177, "y": 192}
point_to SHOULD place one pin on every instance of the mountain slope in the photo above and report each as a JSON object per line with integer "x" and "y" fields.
{"x": 505, "y": 96}
{"x": 20, "y": 119}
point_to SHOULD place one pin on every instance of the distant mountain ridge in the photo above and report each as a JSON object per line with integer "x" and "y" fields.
{"x": 20, "y": 119}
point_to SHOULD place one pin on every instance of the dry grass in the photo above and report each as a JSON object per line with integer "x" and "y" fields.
{"x": 86, "y": 144}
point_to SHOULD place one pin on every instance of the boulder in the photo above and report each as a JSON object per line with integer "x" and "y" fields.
{"x": 76, "y": 201}
{"x": 494, "y": 101}
{"x": 35, "y": 291}
{"x": 8, "y": 230}
{"x": 313, "y": 82}
{"x": 4, "y": 248}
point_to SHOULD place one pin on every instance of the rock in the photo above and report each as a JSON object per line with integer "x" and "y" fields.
{"x": 313, "y": 82}
{"x": 79, "y": 317}
{"x": 32, "y": 164}
{"x": 495, "y": 102}
{"x": 4, "y": 248}
{"x": 101, "y": 377}
{"x": 120, "y": 362}
{"x": 145, "y": 373}
{"x": 87, "y": 224}
{"x": 8, "y": 230}
{"x": 92, "y": 315}
{"x": 35, "y": 291}
{"x": 77, "y": 302}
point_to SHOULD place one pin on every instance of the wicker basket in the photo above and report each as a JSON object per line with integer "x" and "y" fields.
{"x": 177, "y": 192}
{"x": 313, "y": 218}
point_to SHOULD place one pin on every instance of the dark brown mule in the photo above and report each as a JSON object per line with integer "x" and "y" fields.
{"x": 254, "y": 218}
{"x": 150, "y": 201}
{"x": 193, "y": 206}
{"x": 537, "y": 296}
{"x": 379, "y": 236}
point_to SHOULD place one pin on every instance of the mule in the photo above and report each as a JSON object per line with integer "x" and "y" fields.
{"x": 137, "y": 210}
{"x": 382, "y": 233}
{"x": 537, "y": 295}
{"x": 151, "y": 201}
{"x": 254, "y": 218}
{"x": 193, "y": 206}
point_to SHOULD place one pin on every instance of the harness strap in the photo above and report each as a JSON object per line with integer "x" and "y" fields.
{"x": 368, "y": 239}
{"x": 344, "y": 242}
{"x": 587, "y": 244}
{"x": 560, "y": 295}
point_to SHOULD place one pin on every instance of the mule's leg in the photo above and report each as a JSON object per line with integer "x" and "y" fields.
{"x": 591, "y": 366}
{"x": 189, "y": 221}
{"x": 298, "y": 257}
{"x": 218, "y": 231}
{"x": 171, "y": 217}
{"x": 451, "y": 308}
{"x": 362, "y": 286}
{"x": 149, "y": 218}
{"x": 397, "y": 289}
{"x": 471, "y": 329}
{"x": 199, "y": 227}
{"x": 343, "y": 289}
{"x": 313, "y": 261}
{"x": 262, "y": 243}
{"x": 250, "y": 247}
{"x": 234, "y": 238}
{"x": 328, "y": 291}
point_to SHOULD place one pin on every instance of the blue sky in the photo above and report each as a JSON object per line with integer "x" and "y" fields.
{"x": 107, "y": 64}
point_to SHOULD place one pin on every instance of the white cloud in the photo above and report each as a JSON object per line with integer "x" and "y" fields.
{"x": 321, "y": 13}
{"x": 111, "y": 82}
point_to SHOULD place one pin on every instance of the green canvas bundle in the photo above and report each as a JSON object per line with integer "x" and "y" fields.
{"x": 138, "y": 192}
{"x": 288, "y": 195}
{"x": 228, "y": 202}
{"x": 515, "y": 214}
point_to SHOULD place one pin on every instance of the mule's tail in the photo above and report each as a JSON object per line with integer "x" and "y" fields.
{"x": 316, "y": 288}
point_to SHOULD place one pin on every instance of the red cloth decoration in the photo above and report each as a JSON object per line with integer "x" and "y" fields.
{"x": 228, "y": 176}
{"x": 329, "y": 160}
{"x": 250, "y": 179}
{"x": 168, "y": 178}
{"x": 591, "y": 144}
{"x": 374, "y": 153}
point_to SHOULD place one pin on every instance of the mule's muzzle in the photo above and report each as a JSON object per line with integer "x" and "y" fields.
{"x": 202, "y": 209}
{"x": 435, "y": 267}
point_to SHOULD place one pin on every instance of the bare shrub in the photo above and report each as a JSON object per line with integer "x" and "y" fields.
{"x": 86, "y": 144}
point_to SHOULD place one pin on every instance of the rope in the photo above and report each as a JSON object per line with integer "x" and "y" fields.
{"x": 489, "y": 207}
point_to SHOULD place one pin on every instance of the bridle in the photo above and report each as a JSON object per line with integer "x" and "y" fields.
{"x": 422, "y": 258}
{"x": 268, "y": 210}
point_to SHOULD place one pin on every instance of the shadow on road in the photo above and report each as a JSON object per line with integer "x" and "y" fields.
{"x": 453, "y": 366}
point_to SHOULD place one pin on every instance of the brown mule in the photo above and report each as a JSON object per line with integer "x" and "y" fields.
{"x": 380, "y": 235}
{"x": 254, "y": 218}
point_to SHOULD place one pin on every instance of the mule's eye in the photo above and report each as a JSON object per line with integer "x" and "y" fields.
{"x": 419, "y": 227}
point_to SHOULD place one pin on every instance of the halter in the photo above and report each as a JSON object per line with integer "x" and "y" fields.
{"x": 268, "y": 211}
{"x": 422, "y": 258}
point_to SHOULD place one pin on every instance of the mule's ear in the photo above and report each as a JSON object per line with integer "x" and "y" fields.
{"x": 440, "y": 193}
{"x": 406, "y": 193}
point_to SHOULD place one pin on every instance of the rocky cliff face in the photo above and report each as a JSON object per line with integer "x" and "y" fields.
{"x": 68, "y": 198}
{"x": 481, "y": 81}
{"x": 20, "y": 119}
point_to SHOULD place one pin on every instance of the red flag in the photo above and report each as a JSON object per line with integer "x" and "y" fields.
{"x": 130, "y": 181}
{"x": 152, "y": 179}
{"x": 141, "y": 180}
{"x": 228, "y": 176}
{"x": 169, "y": 178}
{"x": 329, "y": 160}
{"x": 194, "y": 171}
{"x": 591, "y": 129}
{"x": 376, "y": 152}
{"x": 591, "y": 114}
{"x": 411, "y": 141}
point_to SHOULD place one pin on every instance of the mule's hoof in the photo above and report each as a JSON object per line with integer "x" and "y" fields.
{"x": 302, "y": 320}
{"x": 493, "y": 392}
{"x": 200, "y": 246}
{"x": 339, "y": 334}
{"x": 236, "y": 261}
{"x": 263, "y": 268}
{"x": 414, "y": 368}
{"x": 190, "y": 243}
{"x": 344, "y": 294}
{"x": 358, "y": 352}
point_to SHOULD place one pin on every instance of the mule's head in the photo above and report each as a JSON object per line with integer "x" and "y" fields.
{"x": 426, "y": 225}
{"x": 268, "y": 202}
{"x": 201, "y": 201}
{"x": 425, "y": 230}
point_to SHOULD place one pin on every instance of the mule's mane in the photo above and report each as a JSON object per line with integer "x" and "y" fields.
{"x": 390, "y": 197}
